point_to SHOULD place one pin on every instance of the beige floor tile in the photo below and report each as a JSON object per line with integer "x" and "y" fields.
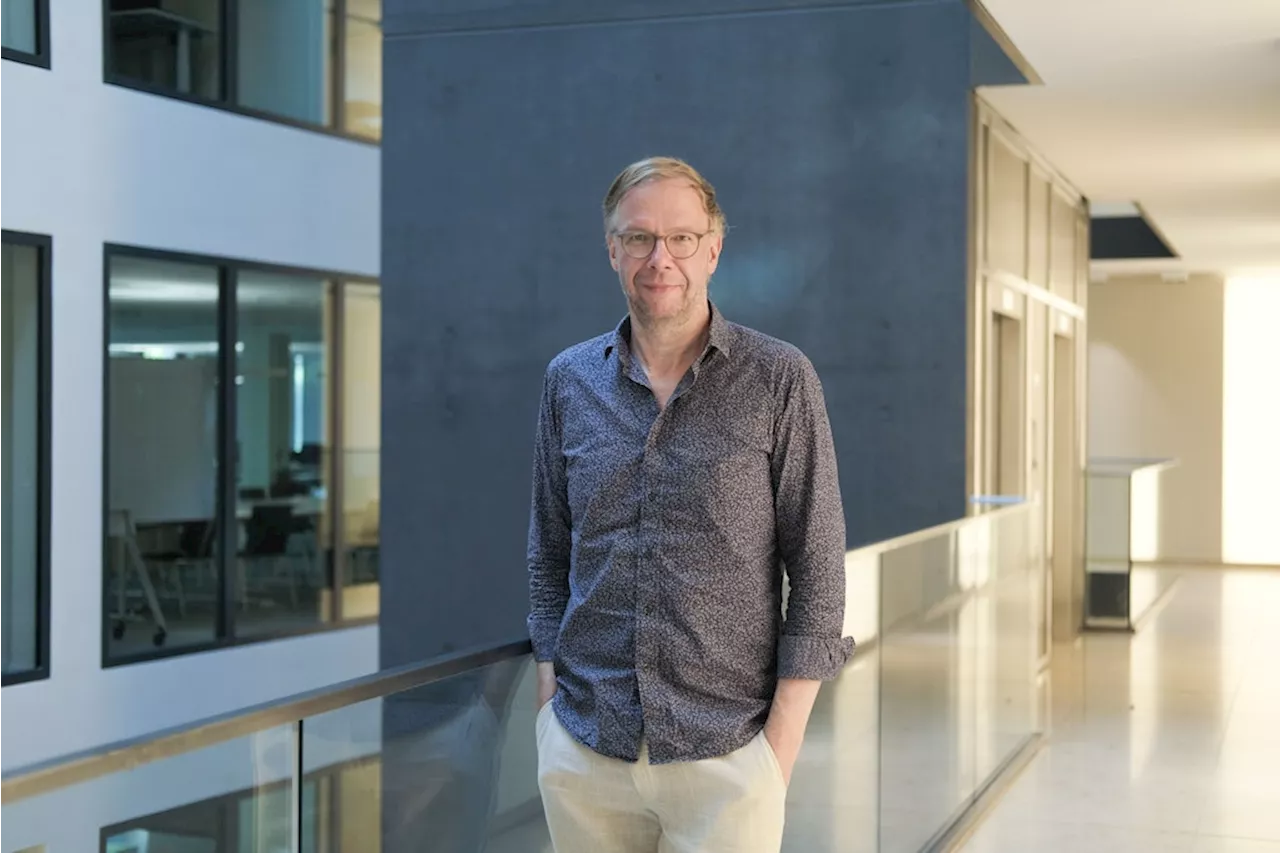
{"x": 1163, "y": 740}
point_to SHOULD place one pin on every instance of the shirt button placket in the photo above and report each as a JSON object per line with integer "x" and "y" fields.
{"x": 647, "y": 609}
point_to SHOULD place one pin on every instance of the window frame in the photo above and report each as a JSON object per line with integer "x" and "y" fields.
{"x": 43, "y": 244}
{"x": 228, "y": 83}
{"x": 43, "y": 56}
{"x": 225, "y": 635}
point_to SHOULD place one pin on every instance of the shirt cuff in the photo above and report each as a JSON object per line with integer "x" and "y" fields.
{"x": 543, "y": 634}
{"x": 813, "y": 658}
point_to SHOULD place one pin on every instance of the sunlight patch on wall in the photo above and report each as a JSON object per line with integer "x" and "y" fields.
{"x": 1251, "y": 421}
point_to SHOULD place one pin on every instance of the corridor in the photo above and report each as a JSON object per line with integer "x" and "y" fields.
{"x": 1167, "y": 740}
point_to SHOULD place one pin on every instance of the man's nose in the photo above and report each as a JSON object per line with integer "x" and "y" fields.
{"x": 660, "y": 256}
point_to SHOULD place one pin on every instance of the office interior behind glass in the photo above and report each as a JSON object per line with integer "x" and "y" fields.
{"x": 200, "y": 430}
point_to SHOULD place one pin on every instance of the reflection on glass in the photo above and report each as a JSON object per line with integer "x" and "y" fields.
{"x": 174, "y": 47}
{"x": 20, "y": 431}
{"x": 363, "y": 72}
{"x": 362, "y": 443}
{"x": 19, "y": 28}
{"x": 926, "y": 763}
{"x": 448, "y": 766}
{"x": 284, "y": 58}
{"x": 233, "y": 797}
{"x": 957, "y": 669}
{"x": 162, "y": 443}
{"x": 282, "y": 354}
{"x": 1005, "y": 628}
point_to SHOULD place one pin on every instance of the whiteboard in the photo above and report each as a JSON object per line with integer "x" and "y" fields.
{"x": 163, "y": 434}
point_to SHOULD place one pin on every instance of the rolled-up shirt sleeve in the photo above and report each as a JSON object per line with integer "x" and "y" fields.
{"x": 549, "y": 529}
{"x": 810, "y": 530}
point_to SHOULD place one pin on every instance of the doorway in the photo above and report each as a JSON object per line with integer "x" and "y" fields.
{"x": 1005, "y": 474}
{"x": 1066, "y": 579}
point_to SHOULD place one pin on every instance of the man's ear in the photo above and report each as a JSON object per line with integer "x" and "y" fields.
{"x": 713, "y": 253}
{"x": 612, "y": 245}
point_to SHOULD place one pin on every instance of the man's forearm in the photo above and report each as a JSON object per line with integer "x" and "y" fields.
{"x": 546, "y": 682}
{"x": 788, "y": 717}
{"x": 792, "y": 704}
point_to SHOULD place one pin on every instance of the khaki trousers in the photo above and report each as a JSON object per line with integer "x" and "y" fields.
{"x": 594, "y": 804}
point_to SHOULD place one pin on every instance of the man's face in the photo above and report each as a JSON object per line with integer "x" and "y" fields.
{"x": 660, "y": 286}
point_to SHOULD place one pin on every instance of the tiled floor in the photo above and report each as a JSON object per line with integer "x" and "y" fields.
{"x": 1167, "y": 740}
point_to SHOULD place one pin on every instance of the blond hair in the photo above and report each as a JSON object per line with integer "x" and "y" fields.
{"x": 659, "y": 169}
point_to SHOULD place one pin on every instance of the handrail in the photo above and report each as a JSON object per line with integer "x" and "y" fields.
{"x": 127, "y": 754}
{"x": 917, "y": 536}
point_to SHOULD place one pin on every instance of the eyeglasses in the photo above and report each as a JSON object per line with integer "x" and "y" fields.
{"x": 680, "y": 244}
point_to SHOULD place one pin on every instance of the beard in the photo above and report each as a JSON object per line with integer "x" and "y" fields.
{"x": 673, "y": 302}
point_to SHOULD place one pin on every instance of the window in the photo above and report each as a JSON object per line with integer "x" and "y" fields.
{"x": 315, "y": 63}
{"x": 361, "y": 446}
{"x": 170, "y": 46}
{"x": 227, "y": 392}
{"x": 362, "y": 81}
{"x": 25, "y": 466}
{"x": 24, "y": 31}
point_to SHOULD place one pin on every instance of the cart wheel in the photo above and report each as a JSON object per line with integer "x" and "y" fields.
{"x": 117, "y": 629}
{"x": 159, "y": 637}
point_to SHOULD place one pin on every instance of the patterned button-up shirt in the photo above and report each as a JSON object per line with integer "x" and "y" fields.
{"x": 658, "y": 541}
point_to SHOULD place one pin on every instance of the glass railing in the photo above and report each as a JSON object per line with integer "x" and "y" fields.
{"x": 941, "y": 696}
{"x": 960, "y": 613}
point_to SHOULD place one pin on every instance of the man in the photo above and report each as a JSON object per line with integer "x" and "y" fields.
{"x": 681, "y": 461}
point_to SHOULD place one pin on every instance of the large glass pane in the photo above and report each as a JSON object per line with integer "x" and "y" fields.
{"x": 958, "y": 688}
{"x": 362, "y": 443}
{"x": 363, "y": 73}
{"x": 21, "y": 333}
{"x": 448, "y": 766}
{"x": 173, "y": 45}
{"x": 1003, "y": 613}
{"x": 282, "y": 395}
{"x": 284, "y": 57}
{"x": 162, "y": 572}
{"x": 19, "y": 28}
{"x": 926, "y": 749}
{"x": 235, "y": 797}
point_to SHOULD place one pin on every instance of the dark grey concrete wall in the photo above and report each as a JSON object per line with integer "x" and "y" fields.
{"x": 838, "y": 137}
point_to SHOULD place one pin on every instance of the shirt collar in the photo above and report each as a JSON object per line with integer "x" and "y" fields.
{"x": 719, "y": 338}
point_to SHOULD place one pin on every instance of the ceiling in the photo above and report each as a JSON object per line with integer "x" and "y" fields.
{"x": 161, "y": 284}
{"x": 1171, "y": 104}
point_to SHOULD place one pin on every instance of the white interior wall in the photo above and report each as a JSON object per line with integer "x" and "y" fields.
{"x": 89, "y": 163}
{"x": 1156, "y": 390}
